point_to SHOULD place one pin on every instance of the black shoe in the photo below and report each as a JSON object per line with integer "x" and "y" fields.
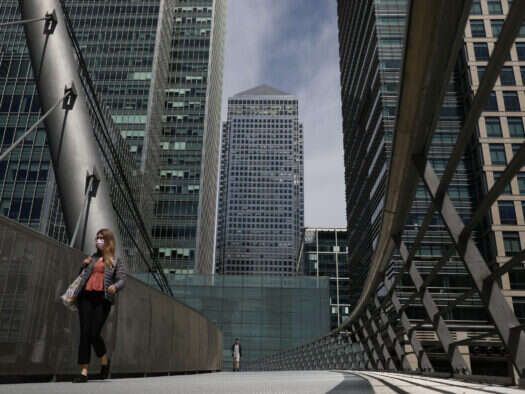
{"x": 104, "y": 370}
{"x": 80, "y": 379}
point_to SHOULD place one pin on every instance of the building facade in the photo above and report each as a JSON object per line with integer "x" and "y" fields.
{"x": 157, "y": 69}
{"x": 185, "y": 198}
{"x": 371, "y": 36}
{"x": 261, "y": 195}
{"x": 324, "y": 253}
{"x": 500, "y": 134}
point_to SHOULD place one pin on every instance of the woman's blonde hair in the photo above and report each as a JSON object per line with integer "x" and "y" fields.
{"x": 109, "y": 246}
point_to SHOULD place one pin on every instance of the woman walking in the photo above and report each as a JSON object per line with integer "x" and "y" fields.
{"x": 102, "y": 277}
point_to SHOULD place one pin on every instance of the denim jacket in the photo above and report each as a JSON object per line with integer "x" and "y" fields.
{"x": 112, "y": 276}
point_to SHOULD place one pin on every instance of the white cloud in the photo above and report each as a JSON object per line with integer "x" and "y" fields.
{"x": 303, "y": 61}
{"x": 249, "y": 31}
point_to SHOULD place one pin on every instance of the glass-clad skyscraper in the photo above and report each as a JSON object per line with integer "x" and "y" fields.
{"x": 118, "y": 42}
{"x": 261, "y": 201}
{"x": 186, "y": 196}
{"x": 371, "y": 35}
{"x": 142, "y": 57}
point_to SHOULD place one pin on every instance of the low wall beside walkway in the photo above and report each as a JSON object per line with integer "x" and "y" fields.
{"x": 147, "y": 332}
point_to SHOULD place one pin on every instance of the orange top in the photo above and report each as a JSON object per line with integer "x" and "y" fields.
{"x": 96, "y": 280}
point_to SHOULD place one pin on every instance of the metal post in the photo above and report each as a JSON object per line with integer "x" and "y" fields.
{"x": 458, "y": 363}
{"x": 70, "y": 135}
{"x": 393, "y": 338}
{"x": 489, "y": 290}
{"x": 424, "y": 362}
{"x": 389, "y": 363}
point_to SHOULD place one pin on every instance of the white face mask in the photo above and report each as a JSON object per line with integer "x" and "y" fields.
{"x": 100, "y": 243}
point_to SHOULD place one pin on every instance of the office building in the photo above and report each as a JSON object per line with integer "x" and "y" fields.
{"x": 186, "y": 196}
{"x": 156, "y": 66}
{"x": 261, "y": 201}
{"x": 324, "y": 253}
{"x": 500, "y": 134}
{"x": 371, "y": 36}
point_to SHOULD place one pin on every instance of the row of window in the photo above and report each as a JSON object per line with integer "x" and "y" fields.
{"x": 511, "y": 102}
{"x": 493, "y": 7}
{"x": 481, "y": 51}
{"x": 515, "y": 126}
{"x": 498, "y": 156}
{"x": 477, "y": 28}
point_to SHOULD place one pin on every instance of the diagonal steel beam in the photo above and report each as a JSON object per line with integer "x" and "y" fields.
{"x": 369, "y": 352}
{"x": 423, "y": 361}
{"x": 457, "y": 361}
{"x": 401, "y": 355}
{"x": 389, "y": 363}
{"x": 500, "y": 311}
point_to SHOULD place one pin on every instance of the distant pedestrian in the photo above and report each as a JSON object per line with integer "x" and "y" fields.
{"x": 236, "y": 355}
{"x": 103, "y": 275}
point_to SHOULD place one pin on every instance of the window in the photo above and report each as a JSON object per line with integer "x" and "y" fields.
{"x": 512, "y": 103}
{"x": 521, "y": 33}
{"x": 496, "y": 27}
{"x": 481, "y": 51}
{"x": 494, "y": 7}
{"x": 476, "y": 8}
{"x": 521, "y": 182}
{"x": 497, "y": 154}
{"x": 515, "y": 149}
{"x": 492, "y": 103}
{"x": 515, "y": 127}
{"x": 493, "y": 127}
{"x": 507, "y": 76}
{"x": 507, "y": 213}
{"x": 507, "y": 190}
{"x": 522, "y": 72}
{"x": 481, "y": 71}
{"x": 520, "y": 49}
{"x": 518, "y": 303}
{"x": 511, "y": 242}
{"x": 477, "y": 28}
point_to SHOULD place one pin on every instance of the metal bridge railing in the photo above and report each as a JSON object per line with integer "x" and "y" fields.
{"x": 379, "y": 335}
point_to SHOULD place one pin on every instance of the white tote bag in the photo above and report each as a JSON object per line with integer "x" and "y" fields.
{"x": 68, "y": 298}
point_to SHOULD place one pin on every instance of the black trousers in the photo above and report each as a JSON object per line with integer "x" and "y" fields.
{"x": 93, "y": 310}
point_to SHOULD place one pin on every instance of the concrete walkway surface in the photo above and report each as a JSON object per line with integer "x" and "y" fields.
{"x": 303, "y": 382}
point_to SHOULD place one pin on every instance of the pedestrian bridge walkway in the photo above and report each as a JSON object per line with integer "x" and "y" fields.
{"x": 304, "y": 382}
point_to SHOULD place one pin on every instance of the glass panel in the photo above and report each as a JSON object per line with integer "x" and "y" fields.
{"x": 492, "y": 103}
{"x": 507, "y": 213}
{"x": 494, "y": 7}
{"x": 493, "y": 127}
{"x": 511, "y": 242}
{"x": 476, "y": 8}
{"x": 497, "y": 154}
{"x": 496, "y": 26}
{"x": 515, "y": 127}
{"x": 507, "y": 76}
{"x": 481, "y": 50}
{"x": 477, "y": 28}
{"x": 511, "y": 101}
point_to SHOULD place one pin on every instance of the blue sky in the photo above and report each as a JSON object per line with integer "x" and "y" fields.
{"x": 292, "y": 45}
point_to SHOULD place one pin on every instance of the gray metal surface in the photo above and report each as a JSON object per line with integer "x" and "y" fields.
{"x": 69, "y": 131}
{"x": 147, "y": 332}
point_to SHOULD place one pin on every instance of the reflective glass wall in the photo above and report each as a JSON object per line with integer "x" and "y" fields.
{"x": 266, "y": 313}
